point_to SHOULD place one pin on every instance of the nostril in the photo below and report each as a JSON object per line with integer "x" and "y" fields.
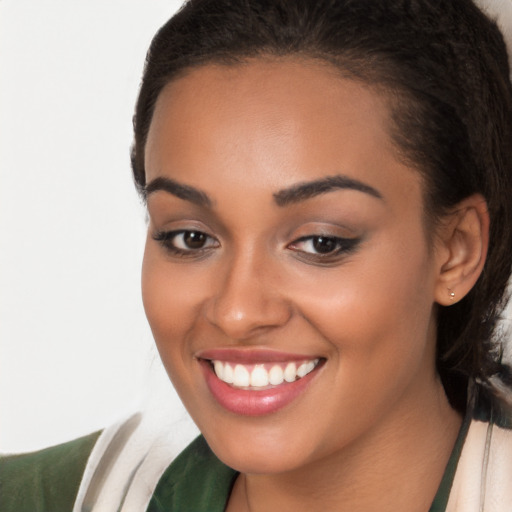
{"x": 241, "y": 315}
{"x": 245, "y": 299}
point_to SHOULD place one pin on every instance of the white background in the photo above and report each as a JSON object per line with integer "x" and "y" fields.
{"x": 75, "y": 347}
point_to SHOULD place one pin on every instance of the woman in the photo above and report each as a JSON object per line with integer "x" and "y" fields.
{"x": 328, "y": 251}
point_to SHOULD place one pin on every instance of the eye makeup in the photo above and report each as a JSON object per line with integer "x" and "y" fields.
{"x": 185, "y": 243}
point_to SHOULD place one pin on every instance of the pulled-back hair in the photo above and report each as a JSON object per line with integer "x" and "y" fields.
{"x": 443, "y": 67}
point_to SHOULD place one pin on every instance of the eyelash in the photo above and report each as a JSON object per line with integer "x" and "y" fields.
{"x": 167, "y": 241}
{"x": 342, "y": 246}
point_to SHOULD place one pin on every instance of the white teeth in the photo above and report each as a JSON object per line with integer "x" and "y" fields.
{"x": 290, "y": 372}
{"x": 305, "y": 368}
{"x": 241, "y": 377}
{"x": 219, "y": 369}
{"x": 227, "y": 375}
{"x": 276, "y": 375}
{"x": 259, "y": 375}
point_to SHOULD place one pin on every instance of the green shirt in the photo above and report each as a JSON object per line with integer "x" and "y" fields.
{"x": 44, "y": 481}
{"x": 196, "y": 481}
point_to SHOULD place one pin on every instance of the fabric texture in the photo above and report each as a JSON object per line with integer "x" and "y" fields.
{"x": 196, "y": 481}
{"x": 483, "y": 481}
{"x": 44, "y": 481}
{"x": 478, "y": 476}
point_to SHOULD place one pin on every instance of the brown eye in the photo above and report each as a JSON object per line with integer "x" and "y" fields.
{"x": 194, "y": 239}
{"x": 323, "y": 248}
{"x": 186, "y": 242}
{"x": 324, "y": 244}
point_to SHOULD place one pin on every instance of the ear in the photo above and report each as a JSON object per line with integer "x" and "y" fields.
{"x": 462, "y": 242}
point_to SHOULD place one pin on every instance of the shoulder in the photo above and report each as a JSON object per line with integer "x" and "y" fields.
{"x": 484, "y": 472}
{"x": 46, "y": 480}
{"x": 483, "y": 478}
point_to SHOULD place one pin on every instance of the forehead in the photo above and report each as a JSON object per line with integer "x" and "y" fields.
{"x": 284, "y": 120}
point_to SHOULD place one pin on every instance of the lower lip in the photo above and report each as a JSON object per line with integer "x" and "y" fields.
{"x": 254, "y": 402}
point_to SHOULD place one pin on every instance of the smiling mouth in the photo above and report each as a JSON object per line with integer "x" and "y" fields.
{"x": 263, "y": 375}
{"x": 257, "y": 382}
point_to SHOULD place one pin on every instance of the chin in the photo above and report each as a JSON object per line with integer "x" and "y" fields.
{"x": 260, "y": 448}
{"x": 253, "y": 458}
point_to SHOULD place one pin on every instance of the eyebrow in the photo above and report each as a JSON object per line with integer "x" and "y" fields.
{"x": 294, "y": 194}
{"x": 302, "y": 191}
{"x": 179, "y": 190}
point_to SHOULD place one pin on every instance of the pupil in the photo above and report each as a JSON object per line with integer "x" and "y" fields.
{"x": 324, "y": 245}
{"x": 194, "y": 240}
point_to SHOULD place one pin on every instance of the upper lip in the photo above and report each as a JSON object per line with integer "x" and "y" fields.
{"x": 252, "y": 356}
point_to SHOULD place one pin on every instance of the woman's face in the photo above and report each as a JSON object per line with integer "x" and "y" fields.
{"x": 286, "y": 255}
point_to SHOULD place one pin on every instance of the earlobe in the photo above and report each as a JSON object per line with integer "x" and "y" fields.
{"x": 463, "y": 243}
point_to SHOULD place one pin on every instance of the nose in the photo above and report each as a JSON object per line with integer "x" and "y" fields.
{"x": 248, "y": 299}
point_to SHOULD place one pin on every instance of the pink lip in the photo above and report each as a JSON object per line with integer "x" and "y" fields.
{"x": 251, "y": 356}
{"x": 254, "y": 402}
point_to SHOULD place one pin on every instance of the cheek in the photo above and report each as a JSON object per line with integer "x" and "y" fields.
{"x": 375, "y": 312}
{"x": 169, "y": 300}
{"x": 170, "y": 305}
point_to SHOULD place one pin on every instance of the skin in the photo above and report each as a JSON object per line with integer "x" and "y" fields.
{"x": 375, "y": 415}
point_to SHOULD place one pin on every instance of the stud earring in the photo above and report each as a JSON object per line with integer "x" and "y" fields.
{"x": 452, "y": 294}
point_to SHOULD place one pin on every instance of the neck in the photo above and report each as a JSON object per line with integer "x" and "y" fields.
{"x": 411, "y": 444}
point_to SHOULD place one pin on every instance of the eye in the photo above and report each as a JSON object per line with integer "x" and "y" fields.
{"x": 322, "y": 247}
{"x": 320, "y": 244}
{"x": 190, "y": 240}
{"x": 185, "y": 242}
